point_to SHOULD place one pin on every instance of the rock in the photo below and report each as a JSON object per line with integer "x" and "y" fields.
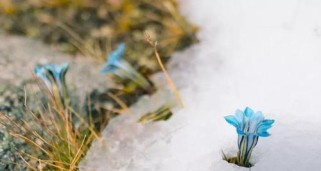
{"x": 19, "y": 55}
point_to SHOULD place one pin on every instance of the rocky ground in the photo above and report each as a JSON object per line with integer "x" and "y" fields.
{"x": 19, "y": 55}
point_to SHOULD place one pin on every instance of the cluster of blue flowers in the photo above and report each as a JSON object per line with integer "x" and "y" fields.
{"x": 53, "y": 75}
{"x": 249, "y": 126}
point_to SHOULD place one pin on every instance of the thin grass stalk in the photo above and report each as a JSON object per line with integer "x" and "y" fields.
{"x": 168, "y": 78}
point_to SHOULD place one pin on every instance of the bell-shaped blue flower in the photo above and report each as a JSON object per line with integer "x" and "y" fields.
{"x": 117, "y": 65}
{"x": 250, "y": 126}
{"x": 54, "y": 77}
{"x": 58, "y": 73}
{"x": 114, "y": 60}
{"x": 250, "y": 122}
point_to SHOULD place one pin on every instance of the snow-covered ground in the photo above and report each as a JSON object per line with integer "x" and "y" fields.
{"x": 256, "y": 53}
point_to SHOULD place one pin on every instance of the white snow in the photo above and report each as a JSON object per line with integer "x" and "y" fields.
{"x": 256, "y": 53}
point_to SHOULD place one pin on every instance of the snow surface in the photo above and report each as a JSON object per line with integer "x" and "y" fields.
{"x": 256, "y": 53}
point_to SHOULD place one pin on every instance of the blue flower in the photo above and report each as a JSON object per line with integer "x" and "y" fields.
{"x": 54, "y": 78}
{"x": 114, "y": 59}
{"x": 250, "y": 123}
{"x": 249, "y": 126}
{"x": 52, "y": 73}
{"x": 117, "y": 65}
{"x": 58, "y": 73}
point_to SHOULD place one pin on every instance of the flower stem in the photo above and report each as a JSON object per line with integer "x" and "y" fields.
{"x": 246, "y": 146}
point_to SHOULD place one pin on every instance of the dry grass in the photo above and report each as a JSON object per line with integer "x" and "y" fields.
{"x": 94, "y": 28}
{"x": 168, "y": 78}
{"x": 58, "y": 143}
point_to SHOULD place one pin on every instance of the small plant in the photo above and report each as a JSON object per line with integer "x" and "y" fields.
{"x": 53, "y": 139}
{"x": 163, "y": 113}
{"x": 117, "y": 65}
{"x": 57, "y": 136}
{"x": 54, "y": 78}
{"x": 249, "y": 126}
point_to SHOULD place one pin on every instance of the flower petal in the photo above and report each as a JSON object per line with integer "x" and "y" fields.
{"x": 256, "y": 119}
{"x": 239, "y": 115}
{"x": 63, "y": 69}
{"x": 41, "y": 72}
{"x": 58, "y": 73}
{"x": 117, "y": 54}
{"x": 107, "y": 69}
{"x": 263, "y": 134}
{"x": 263, "y": 127}
{"x": 240, "y": 131}
{"x": 233, "y": 121}
{"x": 248, "y": 112}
